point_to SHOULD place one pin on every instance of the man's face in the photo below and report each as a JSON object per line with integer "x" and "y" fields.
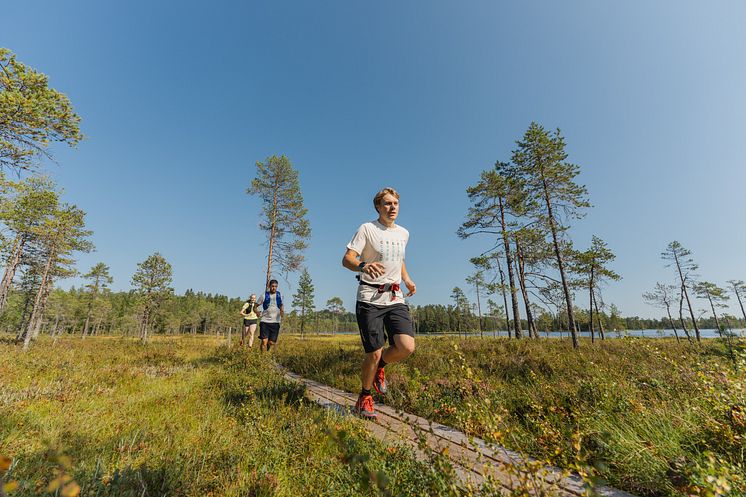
{"x": 272, "y": 287}
{"x": 388, "y": 208}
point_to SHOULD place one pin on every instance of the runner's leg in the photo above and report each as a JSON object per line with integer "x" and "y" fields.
{"x": 370, "y": 365}
{"x": 252, "y": 330}
{"x": 401, "y": 349}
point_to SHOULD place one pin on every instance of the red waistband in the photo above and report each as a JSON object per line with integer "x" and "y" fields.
{"x": 393, "y": 287}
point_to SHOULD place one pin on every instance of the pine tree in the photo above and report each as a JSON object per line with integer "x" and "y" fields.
{"x": 283, "y": 213}
{"x": 591, "y": 266}
{"x": 739, "y": 289}
{"x": 679, "y": 257}
{"x": 493, "y": 199}
{"x": 477, "y": 280}
{"x": 715, "y": 295}
{"x": 336, "y": 307}
{"x": 28, "y": 205}
{"x": 60, "y": 236}
{"x": 31, "y": 115}
{"x": 549, "y": 181}
{"x": 303, "y": 298}
{"x": 662, "y": 296}
{"x": 100, "y": 280}
{"x": 152, "y": 281}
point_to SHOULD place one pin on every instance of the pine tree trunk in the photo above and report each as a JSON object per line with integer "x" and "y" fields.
{"x": 670, "y": 319}
{"x": 479, "y": 311}
{"x": 37, "y": 309}
{"x": 741, "y": 304}
{"x": 22, "y": 324}
{"x": 85, "y": 326}
{"x": 144, "y": 325}
{"x": 55, "y": 329}
{"x": 598, "y": 317}
{"x": 10, "y": 270}
{"x": 511, "y": 280}
{"x": 40, "y": 316}
{"x": 302, "y": 320}
{"x": 590, "y": 307}
{"x": 714, "y": 314}
{"x": 681, "y": 316}
{"x": 686, "y": 294}
{"x": 272, "y": 232}
{"x": 505, "y": 296}
{"x": 561, "y": 266}
{"x": 524, "y": 292}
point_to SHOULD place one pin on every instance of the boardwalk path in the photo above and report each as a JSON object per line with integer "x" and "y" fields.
{"x": 473, "y": 459}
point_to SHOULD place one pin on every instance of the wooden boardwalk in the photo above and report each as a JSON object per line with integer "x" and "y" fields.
{"x": 473, "y": 459}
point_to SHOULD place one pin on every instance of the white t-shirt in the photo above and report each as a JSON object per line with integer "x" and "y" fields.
{"x": 377, "y": 243}
{"x": 272, "y": 313}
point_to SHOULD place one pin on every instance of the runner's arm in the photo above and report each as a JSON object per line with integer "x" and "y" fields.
{"x": 407, "y": 280}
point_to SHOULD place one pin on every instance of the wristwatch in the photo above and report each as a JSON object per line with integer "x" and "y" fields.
{"x": 361, "y": 266}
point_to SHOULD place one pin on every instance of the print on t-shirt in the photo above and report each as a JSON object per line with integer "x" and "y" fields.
{"x": 391, "y": 250}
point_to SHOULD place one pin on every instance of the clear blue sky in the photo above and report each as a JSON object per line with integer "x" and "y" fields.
{"x": 179, "y": 99}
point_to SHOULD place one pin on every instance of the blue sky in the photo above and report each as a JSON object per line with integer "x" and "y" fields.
{"x": 179, "y": 99}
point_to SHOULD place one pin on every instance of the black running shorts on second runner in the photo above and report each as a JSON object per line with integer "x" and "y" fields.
{"x": 376, "y": 323}
{"x": 269, "y": 331}
{"x": 249, "y": 322}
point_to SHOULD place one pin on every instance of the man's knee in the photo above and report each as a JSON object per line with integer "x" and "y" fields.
{"x": 406, "y": 346}
{"x": 375, "y": 355}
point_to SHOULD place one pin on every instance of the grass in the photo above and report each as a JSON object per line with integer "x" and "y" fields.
{"x": 649, "y": 416}
{"x": 182, "y": 416}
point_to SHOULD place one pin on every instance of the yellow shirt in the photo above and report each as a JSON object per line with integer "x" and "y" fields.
{"x": 248, "y": 315}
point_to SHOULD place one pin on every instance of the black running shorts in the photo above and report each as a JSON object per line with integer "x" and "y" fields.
{"x": 249, "y": 322}
{"x": 376, "y": 323}
{"x": 269, "y": 331}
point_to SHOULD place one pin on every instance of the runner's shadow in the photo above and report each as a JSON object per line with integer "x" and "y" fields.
{"x": 285, "y": 392}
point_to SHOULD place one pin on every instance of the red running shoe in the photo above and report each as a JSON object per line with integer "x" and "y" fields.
{"x": 364, "y": 407}
{"x": 379, "y": 383}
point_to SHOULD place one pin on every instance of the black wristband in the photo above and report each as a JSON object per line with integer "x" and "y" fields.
{"x": 361, "y": 266}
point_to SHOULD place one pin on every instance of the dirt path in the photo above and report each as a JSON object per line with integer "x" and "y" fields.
{"x": 473, "y": 459}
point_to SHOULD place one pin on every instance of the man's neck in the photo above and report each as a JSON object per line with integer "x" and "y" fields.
{"x": 386, "y": 222}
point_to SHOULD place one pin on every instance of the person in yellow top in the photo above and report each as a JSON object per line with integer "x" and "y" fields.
{"x": 249, "y": 320}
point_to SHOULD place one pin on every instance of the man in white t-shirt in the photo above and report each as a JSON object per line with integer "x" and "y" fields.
{"x": 377, "y": 253}
{"x": 272, "y": 312}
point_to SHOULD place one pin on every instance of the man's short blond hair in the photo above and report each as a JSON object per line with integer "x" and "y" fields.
{"x": 379, "y": 196}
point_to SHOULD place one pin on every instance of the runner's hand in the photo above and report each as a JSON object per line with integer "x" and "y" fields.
{"x": 411, "y": 287}
{"x": 373, "y": 269}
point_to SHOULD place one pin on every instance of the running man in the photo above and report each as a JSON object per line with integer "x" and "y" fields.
{"x": 377, "y": 253}
{"x": 249, "y": 320}
{"x": 272, "y": 313}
